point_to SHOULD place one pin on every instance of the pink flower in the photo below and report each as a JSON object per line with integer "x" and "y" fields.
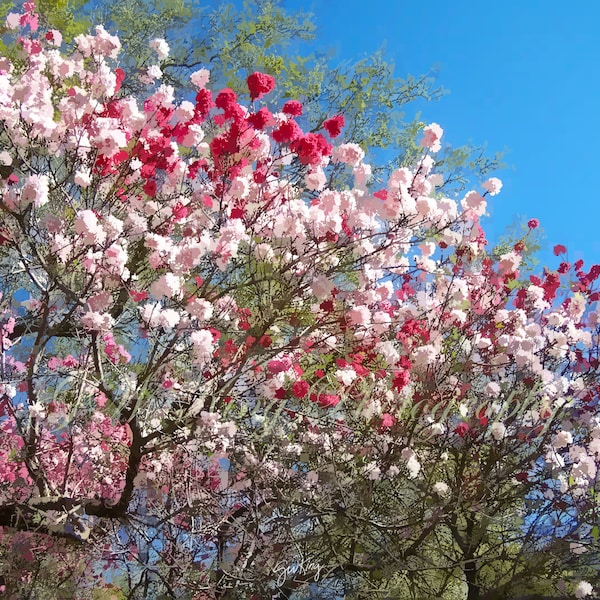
{"x": 203, "y": 345}
{"x": 462, "y": 429}
{"x": 200, "y": 78}
{"x": 35, "y": 190}
{"x": 432, "y": 134}
{"x": 54, "y": 37}
{"x": 387, "y": 420}
{"x": 474, "y": 202}
{"x": 559, "y": 249}
{"x": 279, "y": 365}
{"x": 350, "y": 154}
{"x": 360, "y": 315}
{"x": 327, "y": 400}
{"x": 160, "y": 46}
{"x": 334, "y": 125}
{"x": 492, "y": 185}
{"x": 88, "y": 226}
{"x": 13, "y": 20}
{"x": 259, "y": 85}
{"x": 168, "y": 285}
{"x": 533, "y": 223}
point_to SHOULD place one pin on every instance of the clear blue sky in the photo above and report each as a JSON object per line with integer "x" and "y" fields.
{"x": 523, "y": 75}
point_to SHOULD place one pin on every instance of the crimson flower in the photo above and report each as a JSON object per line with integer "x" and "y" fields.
{"x": 259, "y": 85}
{"x": 292, "y": 108}
{"x": 334, "y": 125}
{"x": 300, "y": 388}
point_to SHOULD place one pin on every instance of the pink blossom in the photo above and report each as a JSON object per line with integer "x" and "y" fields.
{"x": 160, "y": 46}
{"x": 350, "y": 154}
{"x": 95, "y": 321}
{"x": 492, "y": 389}
{"x": 432, "y": 135}
{"x": 200, "y": 78}
{"x": 279, "y": 365}
{"x": 493, "y": 186}
{"x": 88, "y": 226}
{"x": 54, "y": 37}
{"x": 359, "y": 315}
{"x": 475, "y": 203}
{"x": 35, "y": 190}
{"x": 203, "y": 345}
{"x": 168, "y": 285}
{"x": 200, "y": 308}
{"x": 327, "y": 400}
{"x": 13, "y": 20}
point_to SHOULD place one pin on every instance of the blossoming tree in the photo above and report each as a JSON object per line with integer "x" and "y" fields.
{"x": 223, "y": 378}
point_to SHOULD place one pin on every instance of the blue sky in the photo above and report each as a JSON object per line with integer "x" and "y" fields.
{"x": 522, "y": 75}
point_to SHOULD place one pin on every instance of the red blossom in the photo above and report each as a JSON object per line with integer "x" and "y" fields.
{"x": 260, "y": 119}
{"x": 300, "y": 388}
{"x": 265, "y": 341}
{"x": 292, "y": 108}
{"x": 311, "y": 148}
{"x": 120, "y": 77}
{"x": 259, "y": 85}
{"x": 287, "y": 132}
{"x": 533, "y": 223}
{"x": 179, "y": 211}
{"x": 564, "y": 268}
{"x": 150, "y": 188}
{"x": 401, "y": 380}
{"x": 204, "y": 103}
{"x": 227, "y": 101}
{"x": 559, "y": 249}
{"x": 334, "y": 125}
